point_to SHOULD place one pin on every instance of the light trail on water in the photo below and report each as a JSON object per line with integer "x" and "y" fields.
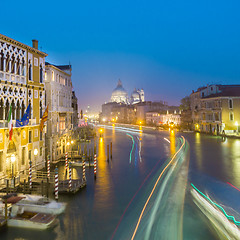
{"x": 233, "y": 186}
{"x": 232, "y": 218}
{"x": 140, "y": 149}
{"x": 130, "y": 158}
{"x": 155, "y": 185}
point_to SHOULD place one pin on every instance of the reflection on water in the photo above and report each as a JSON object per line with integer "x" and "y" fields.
{"x": 172, "y": 142}
{"x": 198, "y": 149}
{"x": 103, "y": 182}
{"x": 236, "y": 162}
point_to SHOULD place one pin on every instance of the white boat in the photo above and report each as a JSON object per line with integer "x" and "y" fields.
{"x": 35, "y": 203}
{"x": 33, "y": 220}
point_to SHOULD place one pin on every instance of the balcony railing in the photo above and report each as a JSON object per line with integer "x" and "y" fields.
{"x": 6, "y": 76}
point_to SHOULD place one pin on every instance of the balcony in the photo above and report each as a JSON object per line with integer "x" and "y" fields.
{"x": 6, "y": 76}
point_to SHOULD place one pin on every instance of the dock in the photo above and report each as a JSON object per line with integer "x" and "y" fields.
{"x": 77, "y": 184}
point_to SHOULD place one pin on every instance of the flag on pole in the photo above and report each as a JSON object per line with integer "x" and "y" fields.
{"x": 44, "y": 119}
{"x": 25, "y": 119}
{"x": 10, "y": 124}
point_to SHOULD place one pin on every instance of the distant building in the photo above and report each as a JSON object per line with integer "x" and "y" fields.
{"x": 119, "y": 94}
{"x": 216, "y": 108}
{"x": 59, "y": 101}
{"x": 163, "y": 118}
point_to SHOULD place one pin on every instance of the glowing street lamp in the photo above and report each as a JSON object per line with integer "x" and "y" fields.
{"x": 236, "y": 123}
{"x": 13, "y": 159}
{"x": 35, "y": 153}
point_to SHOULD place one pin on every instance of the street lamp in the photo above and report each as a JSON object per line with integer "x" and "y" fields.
{"x": 35, "y": 152}
{"x": 13, "y": 158}
{"x": 236, "y": 123}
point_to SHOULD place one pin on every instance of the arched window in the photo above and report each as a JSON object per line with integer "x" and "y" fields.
{"x": 23, "y": 68}
{"x": 13, "y": 110}
{"x": 6, "y": 110}
{"x": 18, "y": 110}
{"x": 1, "y": 60}
{"x": 1, "y": 109}
{"x": 30, "y": 109}
{"x": 41, "y": 73}
{"x": 41, "y": 110}
{"x": 23, "y": 109}
{"x": 18, "y": 66}
{"x": 13, "y": 65}
{"x": 8, "y": 63}
{"x": 29, "y": 70}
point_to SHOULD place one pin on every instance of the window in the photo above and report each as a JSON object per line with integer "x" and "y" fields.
{"x": 36, "y": 133}
{"x": 30, "y": 71}
{"x": 230, "y": 103}
{"x": 30, "y": 136}
{"x": 41, "y": 73}
{"x": 23, "y": 155}
{"x": 231, "y": 117}
{"x": 40, "y": 151}
{"x": 1, "y": 161}
{"x": 30, "y": 155}
{"x": 202, "y": 94}
{"x": 41, "y": 135}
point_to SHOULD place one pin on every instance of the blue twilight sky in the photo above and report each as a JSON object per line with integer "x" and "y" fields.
{"x": 165, "y": 47}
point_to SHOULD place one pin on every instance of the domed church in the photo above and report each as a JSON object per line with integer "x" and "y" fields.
{"x": 119, "y": 94}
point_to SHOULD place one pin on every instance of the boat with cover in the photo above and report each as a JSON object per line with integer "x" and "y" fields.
{"x": 36, "y": 203}
{"x": 33, "y": 220}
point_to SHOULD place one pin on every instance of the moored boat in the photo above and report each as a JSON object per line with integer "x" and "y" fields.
{"x": 33, "y": 220}
{"x": 35, "y": 203}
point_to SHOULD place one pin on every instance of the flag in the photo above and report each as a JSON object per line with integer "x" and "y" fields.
{"x": 44, "y": 119}
{"x": 25, "y": 119}
{"x": 10, "y": 124}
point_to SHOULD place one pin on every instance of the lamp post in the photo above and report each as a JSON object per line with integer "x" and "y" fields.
{"x": 13, "y": 159}
{"x": 35, "y": 152}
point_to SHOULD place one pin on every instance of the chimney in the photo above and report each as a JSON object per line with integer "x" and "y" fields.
{"x": 35, "y": 43}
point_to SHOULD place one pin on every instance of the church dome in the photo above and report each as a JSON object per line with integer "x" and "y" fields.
{"x": 119, "y": 94}
{"x": 135, "y": 94}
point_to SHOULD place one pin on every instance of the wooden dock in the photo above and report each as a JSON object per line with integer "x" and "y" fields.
{"x": 77, "y": 184}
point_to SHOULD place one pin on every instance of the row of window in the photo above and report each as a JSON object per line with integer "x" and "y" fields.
{"x": 23, "y": 157}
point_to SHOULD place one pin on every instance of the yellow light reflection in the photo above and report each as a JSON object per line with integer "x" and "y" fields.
{"x": 102, "y": 184}
{"x": 172, "y": 142}
{"x": 236, "y": 163}
{"x": 140, "y": 131}
{"x": 198, "y": 149}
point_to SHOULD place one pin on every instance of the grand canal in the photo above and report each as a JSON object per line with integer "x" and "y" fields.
{"x": 110, "y": 206}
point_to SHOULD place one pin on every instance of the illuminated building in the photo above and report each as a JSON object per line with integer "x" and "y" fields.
{"x": 119, "y": 94}
{"x": 216, "y": 108}
{"x": 59, "y": 100}
{"x": 21, "y": 84}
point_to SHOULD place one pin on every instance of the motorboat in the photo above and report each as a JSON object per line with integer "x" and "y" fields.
{"x": 21, "y": 218}
{"x": 36, "y": 203}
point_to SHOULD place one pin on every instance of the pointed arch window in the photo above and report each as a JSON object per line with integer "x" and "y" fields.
{"x": 1, "y": 109}
{"x": 1, "y": 61}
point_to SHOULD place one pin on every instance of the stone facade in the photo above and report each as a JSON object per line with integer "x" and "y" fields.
{"x": 59, "y": 101}
{"x": 21, "y": 84}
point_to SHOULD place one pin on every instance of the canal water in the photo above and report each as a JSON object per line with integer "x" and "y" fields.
{"x": 110, "y": 206}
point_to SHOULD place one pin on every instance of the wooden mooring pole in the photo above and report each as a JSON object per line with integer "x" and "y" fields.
{"x": 111, "y": 150}
{"x": 108, "y": 152}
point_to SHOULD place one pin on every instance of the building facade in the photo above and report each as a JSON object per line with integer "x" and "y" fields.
{"x": 21, "y": 84}
{"x": 59, "y": 101}
{"x": 216, "y": 108}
